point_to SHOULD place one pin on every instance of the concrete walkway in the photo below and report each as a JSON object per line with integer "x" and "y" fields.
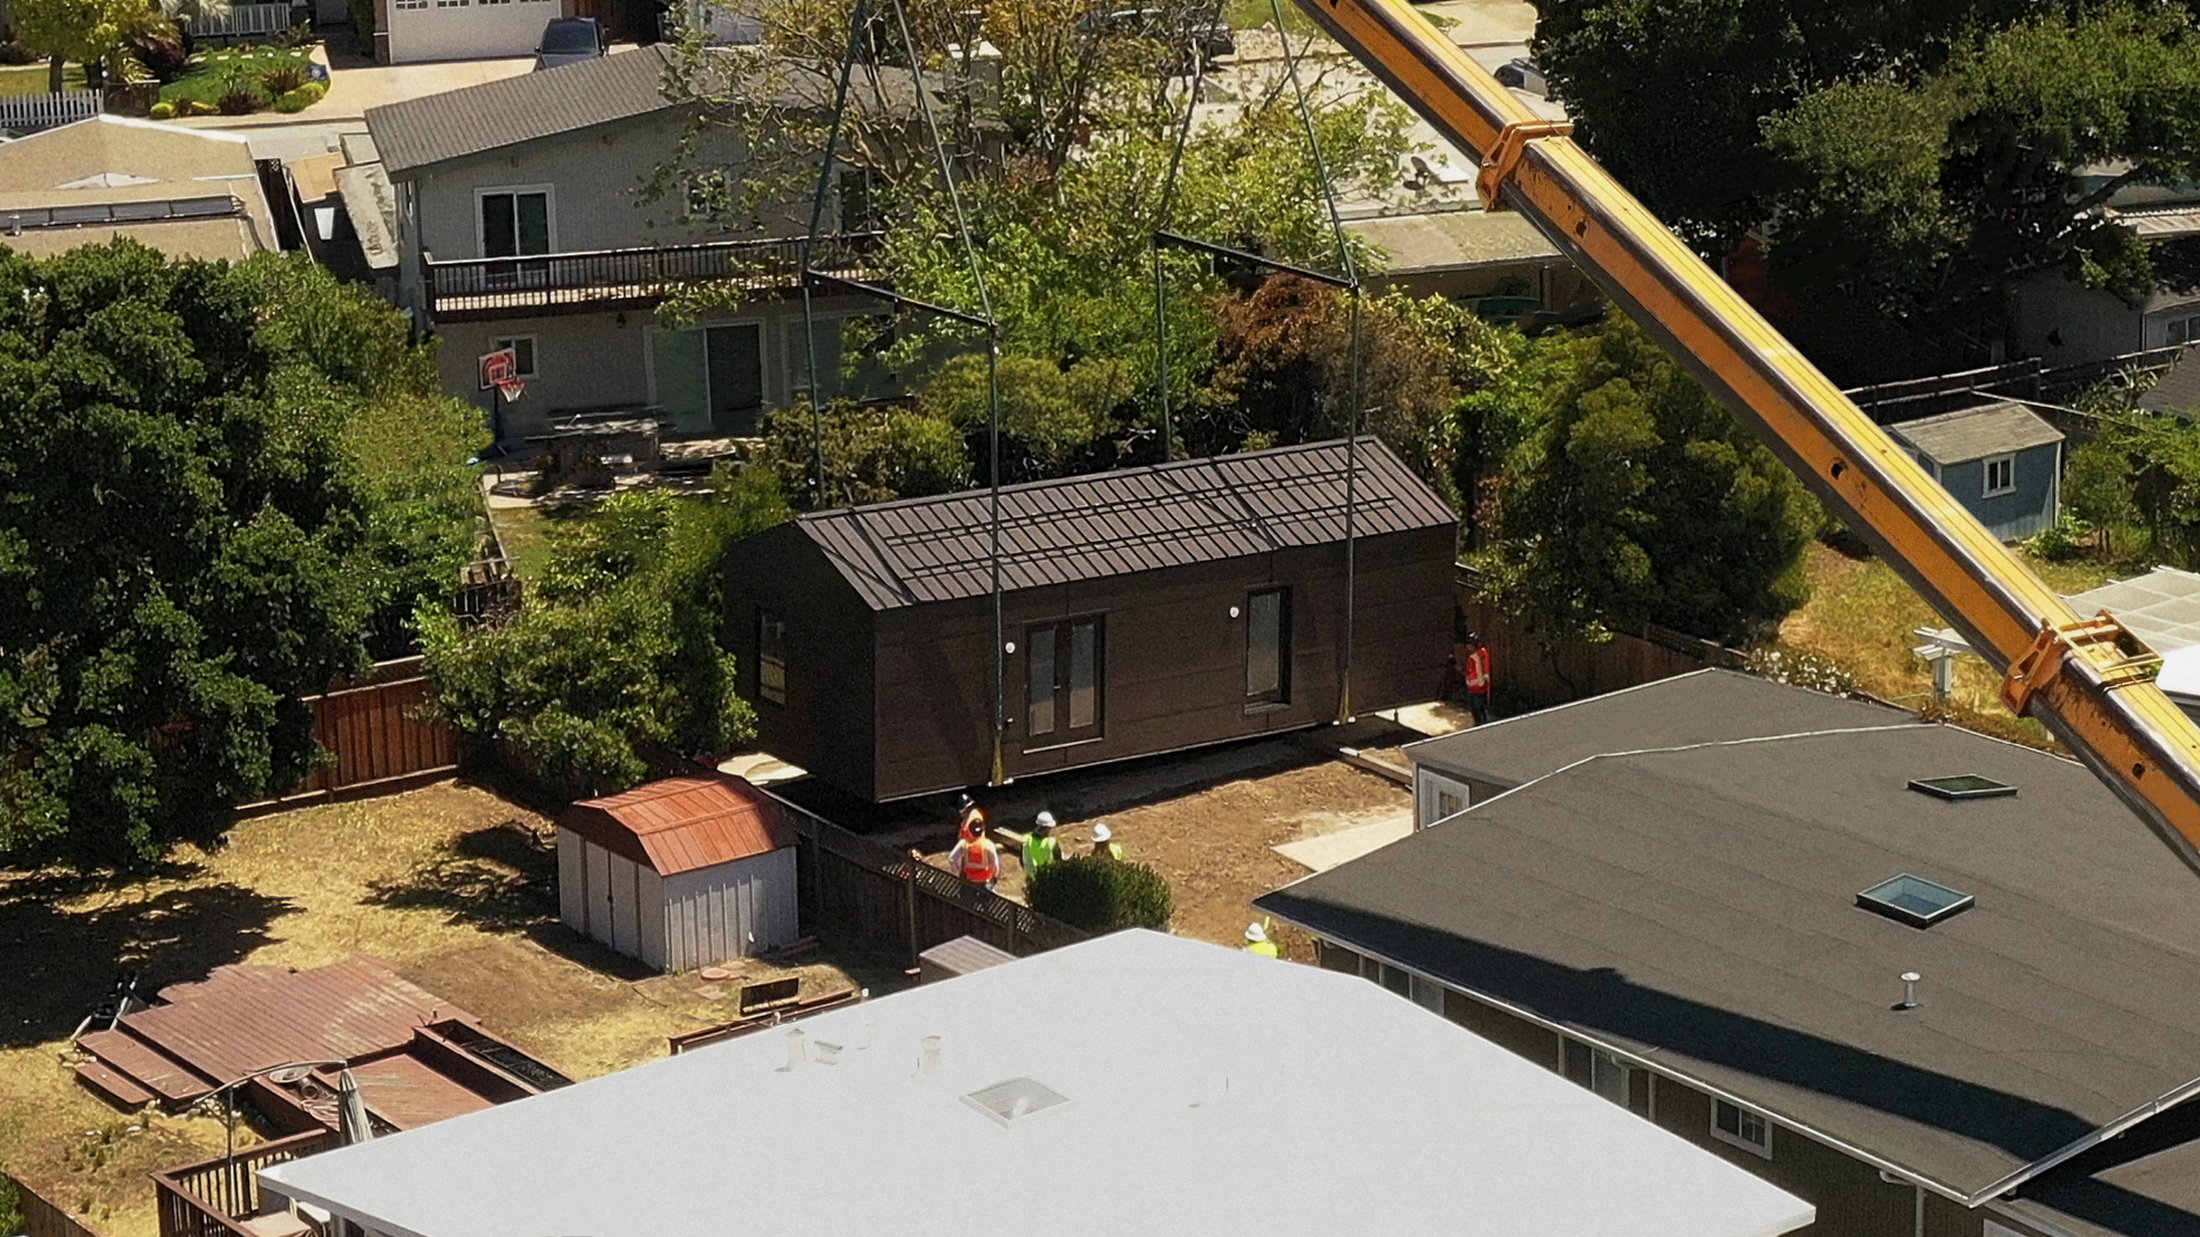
{"x": 354, "y": 88}
{"x": 1329, "y": 850}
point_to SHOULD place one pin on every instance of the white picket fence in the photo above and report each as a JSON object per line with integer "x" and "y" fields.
{"x": 30, "y": 112}
{"x": 244, "y": 21}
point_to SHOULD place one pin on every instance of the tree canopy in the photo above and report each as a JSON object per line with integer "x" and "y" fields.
{"x": 1640, "y": 500}
{"x": 198, "y": 526}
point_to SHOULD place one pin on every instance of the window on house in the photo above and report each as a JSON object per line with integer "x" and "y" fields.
{"x": 1449, "y": 803}
{"x": 2183, "y": 330}
{"x": 1597, "y": 1070}
{"x": 523, "y": 353}
{"x": 1737, "y": 1126}
{"x": 857, "y": 212}
{"x": 412, "y": 4}
{"x": 849, "y": 360}
{"x": 2001, "y": 475}
{"x": 1064, "y": 671}
{"x": 1268, "y": 646}
{"x": 771, "y": 657}
{"x": 514, "y": 222}
{"x": 1425, "y": 994}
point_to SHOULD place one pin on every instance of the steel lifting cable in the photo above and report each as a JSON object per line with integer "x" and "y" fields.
{"x": 1160, "y": 284}
{"x": 984, "y": 319}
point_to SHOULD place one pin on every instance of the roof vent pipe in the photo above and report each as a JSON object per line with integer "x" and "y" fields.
{"x": 928, "y": 1054}
{"x": 795, "y": 1051}
{"x": 1909, "y": 990}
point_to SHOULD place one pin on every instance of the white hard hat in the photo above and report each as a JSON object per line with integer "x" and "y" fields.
{"x": 1254, "y": 932}
{"x": 1045, "y": 821}
{"x": 1101, "y": 833}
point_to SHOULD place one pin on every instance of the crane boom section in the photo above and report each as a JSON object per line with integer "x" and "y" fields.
{"x": 2087, "y": 679}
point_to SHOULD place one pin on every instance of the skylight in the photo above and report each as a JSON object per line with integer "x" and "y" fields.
{"x": 1011, "y": 1101}
{"x": 1962, "y": 786}
{"x": 1914, "y": 900}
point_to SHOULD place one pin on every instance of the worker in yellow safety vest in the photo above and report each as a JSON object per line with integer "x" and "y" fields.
{"x": 1041, "y": 848}
{"x": 1103, "y": 843}
{"x": 975, "y": 858}
{"x": 1257, "y": 942}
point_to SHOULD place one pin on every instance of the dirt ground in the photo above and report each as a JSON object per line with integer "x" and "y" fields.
{"x": 1213, "y": 842}
{"x": 451, "y": 884}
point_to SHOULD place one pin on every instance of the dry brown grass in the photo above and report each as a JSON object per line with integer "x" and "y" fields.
{"x": 1862, "y": 616}
{"x": 451, "y": 884}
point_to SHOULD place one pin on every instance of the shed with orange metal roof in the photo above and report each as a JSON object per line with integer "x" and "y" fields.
{"x": 680, "y": 873}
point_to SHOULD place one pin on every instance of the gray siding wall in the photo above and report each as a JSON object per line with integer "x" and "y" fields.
{"x": 733, "y": 910}
{"x": 2034, "y": 506}
{"x": 1852, "y": 1199}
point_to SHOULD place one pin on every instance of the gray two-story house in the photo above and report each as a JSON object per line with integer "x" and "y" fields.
{"x": 2001, "y": 461}
{"x": 521, "y": 224}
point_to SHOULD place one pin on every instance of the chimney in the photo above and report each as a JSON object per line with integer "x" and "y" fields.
{"x": 928, "y": 1054}
{"x": 795, "y": 1051}
{"x": 1909, "y": 990}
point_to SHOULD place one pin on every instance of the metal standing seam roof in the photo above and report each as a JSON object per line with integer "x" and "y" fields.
{"x": 1695, "y": 909}
{"x": 1975, "y": 433}
{"x": 1118, "y": 523}
{"x": 681, "y": 824}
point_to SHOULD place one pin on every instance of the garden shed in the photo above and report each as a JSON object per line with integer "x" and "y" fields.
{"x": 2002, "y": 461}
{"x": 680, "y": 873}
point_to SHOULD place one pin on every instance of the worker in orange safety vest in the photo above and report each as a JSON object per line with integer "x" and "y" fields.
{"x": 975, "y": 858}
{"x": 1473, "y": 658}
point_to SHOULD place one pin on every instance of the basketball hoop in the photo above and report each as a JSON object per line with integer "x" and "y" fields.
{"x": 498, "y": 366}
{"x": 511, "y": 387}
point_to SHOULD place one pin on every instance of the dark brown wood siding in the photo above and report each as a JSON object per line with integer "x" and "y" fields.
{"x": 1174, "y": 660}
{"x": 825, "y": 724}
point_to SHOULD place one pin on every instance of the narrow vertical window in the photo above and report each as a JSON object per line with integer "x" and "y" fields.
{"x": 1084, "y": 680}
{"x": 1065, "y": 676}
{"x": 1041, "y": 676}
{"x": 1268, "y": 647}
{"x": 771, "y": 657}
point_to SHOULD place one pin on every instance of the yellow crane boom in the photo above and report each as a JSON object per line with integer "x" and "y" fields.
{"x": 2088, "y": 679}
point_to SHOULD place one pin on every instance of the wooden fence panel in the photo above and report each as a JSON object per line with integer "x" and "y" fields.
{"x": 379, "y": 736}
{"x": 42, "y": 1217}
{"x": 1528, "y": 674}
{"x": 45, "y": 111}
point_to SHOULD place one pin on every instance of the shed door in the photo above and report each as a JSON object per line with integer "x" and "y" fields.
{"x": 624, "y": 913}
{"x": 597, "y": 921}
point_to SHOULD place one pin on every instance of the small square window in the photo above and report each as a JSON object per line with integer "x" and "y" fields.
{"x": 1962, "y": 786}
{"x": 1737, "y": 1126}
{"x": 523, "y": 351}
{"x": 2001, "y": 475}
{"x": 1914, "y": 900}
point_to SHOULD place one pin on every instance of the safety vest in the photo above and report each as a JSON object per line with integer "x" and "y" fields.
{"x": 1477, "y": 670}
{"x": 981, "y": 861}
{"x": 1039, "y": 852}
{"x": 1113, "y": 850}
{"x": 1266, "y": 949}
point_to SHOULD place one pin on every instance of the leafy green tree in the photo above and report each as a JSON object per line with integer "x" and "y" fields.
{"x": 90, "y": 32}
{"x": 2097, "y": 490}
{"x": 1642, "y": 501}
{"x": 189, "y": 538}
{"x": 1103, "y": 895}
{"x": 613, "y": 668}
{"x": 871, "y": 454}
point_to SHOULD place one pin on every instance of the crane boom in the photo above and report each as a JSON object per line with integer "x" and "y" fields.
{"x": 2089, "y": 680}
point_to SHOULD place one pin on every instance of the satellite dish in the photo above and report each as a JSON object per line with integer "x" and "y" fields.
{"x": 289, "y": 1075}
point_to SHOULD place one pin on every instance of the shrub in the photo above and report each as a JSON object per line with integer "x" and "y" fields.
{"x": 161, "y": 110}
{"x": 314, "y": 91}
{"x": 284, "y": 78}
{"x": 2065, "y": 539}
{"x": 300, "y": 34}
{"x": 162, "y": 51}
{"x": 239, "y": 101}
{"x": 14, "y": 53}
{"x": 293, "y": 101}
{"x": 1102, "y": 895}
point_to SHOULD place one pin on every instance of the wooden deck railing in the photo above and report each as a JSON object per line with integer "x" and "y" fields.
{"x": 207, "y": 1199}
{"x": 463, "y": 289}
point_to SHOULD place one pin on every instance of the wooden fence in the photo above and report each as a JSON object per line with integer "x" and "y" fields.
{"x": 41, "y": 1216}
{"x": 867, "y": 888}
{"x": 380, "y": 739}
{"x": 31, "y": 112}
{"x": 208, "y": 1198}
{"x": 243, "y": 21}
{"x": 2032, "y": 379}
{"x": 1527, "y": 673}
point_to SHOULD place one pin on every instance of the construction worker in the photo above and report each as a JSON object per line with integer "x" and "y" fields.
{"x": 975, "y": 858}
{"x": 1041, "y": 848}
{"x": 1103, "y": 844}
{"x": 1257, "y": 942}
{"x": 1473, "y": 657}
{"x": 969, "y": 817}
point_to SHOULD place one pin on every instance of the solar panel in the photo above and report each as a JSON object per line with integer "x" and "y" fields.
{"x": 1914, "y": 900}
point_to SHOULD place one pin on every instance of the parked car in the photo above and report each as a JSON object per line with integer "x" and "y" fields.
{"x": 569, "y": 40}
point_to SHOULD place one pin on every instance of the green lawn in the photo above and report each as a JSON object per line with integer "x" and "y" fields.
{"x": 212, "y": 73}
{"x": 528, "y": 533}
{"x": 31, "y": 79}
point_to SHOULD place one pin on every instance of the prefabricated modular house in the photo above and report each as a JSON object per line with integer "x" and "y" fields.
{"x": 1144, "y": 610}
{"x": 680, "y": 873}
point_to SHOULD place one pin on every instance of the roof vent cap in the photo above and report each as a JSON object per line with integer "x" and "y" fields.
{"x": 1015, "y": 1100}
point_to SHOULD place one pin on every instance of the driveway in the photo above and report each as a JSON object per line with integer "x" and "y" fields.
{"x": 355, "y": 87}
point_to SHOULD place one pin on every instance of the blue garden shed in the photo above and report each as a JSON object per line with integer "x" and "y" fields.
{"x": 2000, "y": 460}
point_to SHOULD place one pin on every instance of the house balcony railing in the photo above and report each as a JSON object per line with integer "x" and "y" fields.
{"x": 473, "y": 289}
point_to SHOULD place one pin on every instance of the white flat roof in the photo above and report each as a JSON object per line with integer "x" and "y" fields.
{"x": 1209, "y": 1091}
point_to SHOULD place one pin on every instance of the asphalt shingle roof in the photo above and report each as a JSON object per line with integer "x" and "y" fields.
{"x": 1975, "y": 433}
{"x": 1116, "y": 523}
{"x": 1697, "y": 908}
{"x": 1706, "y": 706}
{"x": 2178, "y": 390}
